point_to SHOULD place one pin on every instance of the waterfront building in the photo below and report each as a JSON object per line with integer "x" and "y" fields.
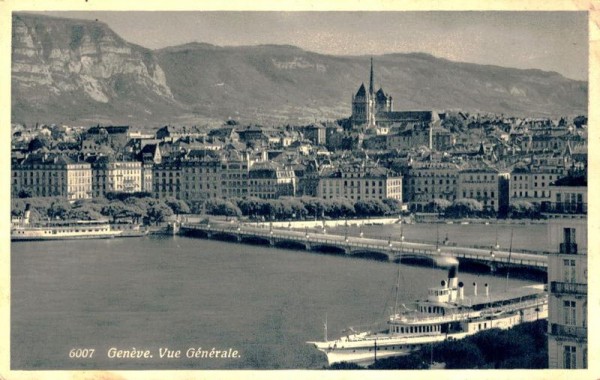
{"x": 146, "y": 170}
{"x": 479, "y": 183}
{"x": 430, "y": 180}
{"x": 166, "y": 178}
{"x": 234, "y": 175}
{"x": 52, "y": 175}
{"x": 271, "y": 180}
{"x": 568, "y": 198}
{"x": 359, "y": 182}
{"x": 112, "y": 176}
{"x": 200, "y": 179}
{"x": 567, "y": 282}
{"x": 531, "y": 184}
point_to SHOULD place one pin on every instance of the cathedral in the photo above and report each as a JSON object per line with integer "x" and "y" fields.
{"x": 367, "y": 106}
{"x": 371, "y": 109}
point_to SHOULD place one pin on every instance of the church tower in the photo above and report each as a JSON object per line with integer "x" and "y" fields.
{"x": 363, "y": 103}
{"x": 371, "y": 79}
{"x": 369, "y": 106}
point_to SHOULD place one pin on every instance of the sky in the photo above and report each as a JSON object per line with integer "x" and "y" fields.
{"x": 550, "y": 41}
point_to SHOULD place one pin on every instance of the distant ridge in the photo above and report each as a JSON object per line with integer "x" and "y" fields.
{"x": 80, "y": 71}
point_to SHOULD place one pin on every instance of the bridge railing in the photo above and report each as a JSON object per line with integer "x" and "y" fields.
{"x": 395, "y": 249}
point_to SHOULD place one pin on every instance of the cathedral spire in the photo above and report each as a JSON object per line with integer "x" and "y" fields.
{"x": 371, "y": 80}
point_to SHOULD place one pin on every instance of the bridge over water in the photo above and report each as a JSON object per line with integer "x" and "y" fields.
{"x": 391, "y": 250}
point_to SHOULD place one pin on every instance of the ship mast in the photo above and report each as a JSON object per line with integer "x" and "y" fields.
{"x": 325, "y": 326}
{"x": 398, "y": 275}
{"x": 509, "y": 255}
{"x": 437, "y": 238}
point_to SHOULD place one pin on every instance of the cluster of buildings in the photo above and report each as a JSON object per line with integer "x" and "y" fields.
{"x": 417, "y": 157}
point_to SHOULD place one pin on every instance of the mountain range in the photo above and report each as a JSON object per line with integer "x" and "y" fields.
{"x": 81, "y": 72}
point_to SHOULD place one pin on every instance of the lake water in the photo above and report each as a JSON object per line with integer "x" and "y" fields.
{"x": 179, "y": 293}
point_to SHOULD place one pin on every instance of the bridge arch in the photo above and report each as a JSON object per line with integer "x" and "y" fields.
{"x": 224, "y": 236}
{"x": 255, "y": 240}
{"x": 191, "y": 232}
{"x": 289, "y": 244}
{"x": 415, "y": 259}
{"x": 371, "y": 254}
{"x": 326, "y": 248}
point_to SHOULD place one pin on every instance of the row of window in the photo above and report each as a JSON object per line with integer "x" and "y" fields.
{"x": 415, "y": 329}
{"x": 477, "y": 194}
{"x": 535, "y": 194}
{"x": 425, "y": 182}
{"x": 337, "y": 191}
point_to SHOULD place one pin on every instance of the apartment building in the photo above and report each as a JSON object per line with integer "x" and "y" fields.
{"x": 109, "y": 175}
{"x": 55, "y": 175}
{"x": 271, "y": 180}
{"x": 531, "y": 184}
{"x": 481, "y": 184}
{"x": 431, "y": 180}
{"x": 567, "y": 283}
{"x": 360, "y": 182}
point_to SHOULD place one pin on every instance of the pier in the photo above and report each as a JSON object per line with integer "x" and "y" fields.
{"x": 390, "y": 250}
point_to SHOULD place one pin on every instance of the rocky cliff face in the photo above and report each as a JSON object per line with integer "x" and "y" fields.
{"x": 64, "y": 67}
{"x": 71, "y": 71}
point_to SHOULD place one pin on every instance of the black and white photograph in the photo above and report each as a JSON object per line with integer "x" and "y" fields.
{"x": 306, "y": 189}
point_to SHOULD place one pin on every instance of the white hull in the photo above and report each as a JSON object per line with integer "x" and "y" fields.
{"x": 364, "y": 348}
{"x": 62, "y": 233}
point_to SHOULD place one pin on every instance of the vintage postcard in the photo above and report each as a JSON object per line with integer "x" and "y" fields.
{"x": 305, "y": 188}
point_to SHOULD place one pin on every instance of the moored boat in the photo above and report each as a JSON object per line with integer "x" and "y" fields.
{"x": 23, "y": 230}
{"x": 446, "y": 314}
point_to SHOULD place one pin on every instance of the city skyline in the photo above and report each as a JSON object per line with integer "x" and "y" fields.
{"x": 510, "y": 39}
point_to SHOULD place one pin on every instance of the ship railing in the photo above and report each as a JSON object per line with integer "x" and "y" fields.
{"x": 466, "y": 315}
{"x": 515, "y": 306}
{"x": 437, "y": 318}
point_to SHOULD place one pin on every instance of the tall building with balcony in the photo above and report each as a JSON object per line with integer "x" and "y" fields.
{"x": 567, "y": 283}
{"x": 479, "y": 183}
{"x": 568, "y": 198}
{"x": 430, "y": 180}
{"x": 360, "y": 182}
{"x": 51, "y": 175}
{"x": 531, "y": 184}
{"x": 166, "y": 179}
{"x": 109, "y": 175}
{"x": 270, "y": 180}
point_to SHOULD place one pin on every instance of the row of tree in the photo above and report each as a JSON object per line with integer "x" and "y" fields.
{"x": 466, "y": 207}
{"x": 132, "y": 209}
{"x": 286, "y": 208}
{"x": 140, "y": 207}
